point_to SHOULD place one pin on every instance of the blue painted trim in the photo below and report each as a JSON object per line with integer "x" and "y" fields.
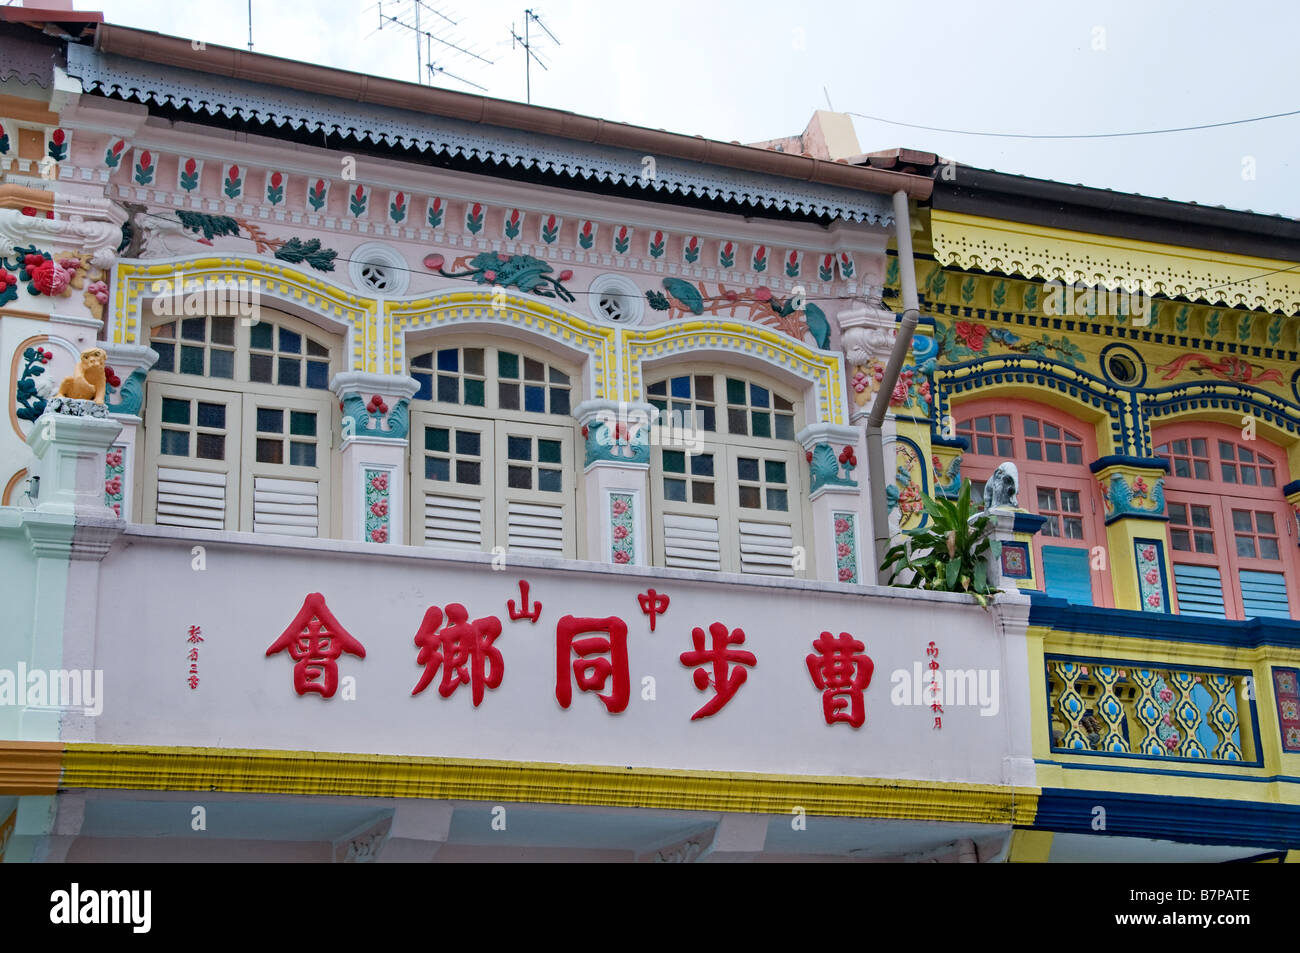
{"x": 1188, "y": 820}
{"x": 1292, "y": 487}
{"x": 1061, "y": 616}
{"x": 1214, "y": 775}
{"x": 963, "y": 443}
{"x": 1129, "y": 664}
{"x": 1159, "y": 517}
{"x": 1029, "y": 523}
{"x": 1145, "y": 463}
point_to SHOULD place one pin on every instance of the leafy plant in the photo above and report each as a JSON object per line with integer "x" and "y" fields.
{"x": 949, "y": 553}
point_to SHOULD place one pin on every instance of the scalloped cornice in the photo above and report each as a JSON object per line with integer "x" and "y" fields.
{"x": 975, "y": 243}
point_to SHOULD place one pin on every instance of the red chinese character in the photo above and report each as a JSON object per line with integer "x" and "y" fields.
{"x": 315, "y": 640}
{"x": 194, "y": 634}
{"x": 523, "y": 612}
{"x": 651, "y": 603}
{"x": 193, "y": 681}
{"x": 725, "y": 684}
{"x": 462, "y": 643}
{"x": 592, "y": 674}
{"x": 194, "y": 654}
{"x": 840, "y": 668}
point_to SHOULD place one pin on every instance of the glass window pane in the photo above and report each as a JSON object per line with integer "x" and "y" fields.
{"x": 1051, "y": 432}
{"x": 548, "y": 451}
{"x": 762, "y": 422}
{"x": 750, "y": 498}
{"x": 302, "y": 454}
{"x": 550, "y": 481}
{"x": 1204, "y": 543}
{"x": 735, "y": 391}
{"x": 1182, "y": 540}
{"x": 223, "y": 330}
{"x": 437, "y": 468}
{"x": 1046, "y": 499}
{"x": 290, "y": 371}
{"x": 1178, "y": 514}
{"x": 1199, "y": 447}
{"x": 1264, "y": 523}
{"x": 984, "y": 424}
{"x": 1246, "y": 546}
{"x": 737, "y": 422}
{"x": 534, "y": 399}
{"x": 210, "y": 446}
{"x": 449, "y": 389}
{"x": 259, "y": 368}
{"x": 175, "y": 411}
{"x": 175, "y": 443}
{"x": 520, "y": 478}
{"x": 702, "y": 464}
{"x": 166, "y": 356}
{"x": 708, "y": 420}
{"x": 1244, "y": 454}
{"x": 1070, "y": 501}
{"x": 534, "y": 370}
{"x": 507, "y": 365}
{"x": 473, "y": 360}
{"x": 519, "y": 448}
{"x": 675, "y": 490}
{"x": 1052, "y": 527}
{"x": 259, "y": 336}
{"x": 318, "y": 375}
{"x": 1266, "y": 477}
{"x": 1031, "y": 427}
{"x": 270, "y": 450}
{"x": 423, "y": 360}
{"x": 1202, "y": 468}
{"x": 192, "y": 360}
{"x": 702, "y": 492}
{"x": 469, "y": 472}
{"x": 559, "y": 401}
{"x": 1268, "y": 548}
{"x": 474, "y": 393}
{"x": 1033, "y": 449}
{"x": 758, "y": 396}
{"x": 317, "y": 350}
{"x": 1180, "y": 468}
{"x": 212, "y": 415}
{"x": 194, "y": 329}
{"x": 167, "y": 330}
{"x": 290, "y": 341}
{"x": 508, "y": 396}
{"x": 302, "y": 423}
{"x": 778, "y": 500}
{"x": 221, "y": 364}
{"x": 674, "y": 461}
{"x": 659, "y": 389}
{"x": 437, "y": 439}
{"x": 746, "y": 468}
{"x": 1225, "y": 450}
{"x": 449, "y": 359}
{"x": 1248, "y": 475}
{"x": 470, "y": 442}
{"x": 1002, "y": 423}
{"x": 1201, "y": 516}
{"x": 774, "y": 471}
{"x": 1053, "y": 452}
{"x": 1241, "y": 521}
{"x": 1004, "y": 447}
{"x": 1073, "y": 528}
{"x": 704, "y": 387}
{"x": 426, "y": 386}
{"x": 1073, "y": 454}
{"x": 784, "y": 427}
{"x": 270, "y": 420}
{"x": 681, "y": 387}
{"x": 984, "y": 445}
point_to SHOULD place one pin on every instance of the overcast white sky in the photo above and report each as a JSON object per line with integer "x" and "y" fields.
{"x": 756, "y": 69}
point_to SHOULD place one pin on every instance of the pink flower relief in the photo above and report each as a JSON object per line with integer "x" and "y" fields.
{"x": 619, "y": 507}
{"x": 1149, "y": 554}
{"x": 1153, "y": 600}
{"x": 1166, "y": 695}
{"x": 620, "y": 532}
{"x": 900, "y": 393}
{"x": 379, "y": 481}
{"x": 846, "y": 574}
{"x": 841, "y": 526}
{"x": 1172, "y": 742}
{"x": 113, "y": 487}
{"x": 113, "y": 458}
{"x": 843, "y": 549}
{"x": 379, "y": 535}
{"x": 1152, "y": 576}
{"x": 379, "y": 508}
{"x": 621, "y": 557}
{"x": 1167, "y": 719}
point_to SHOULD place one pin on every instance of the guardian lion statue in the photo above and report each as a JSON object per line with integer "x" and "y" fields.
{"x": 1003, "y": 487}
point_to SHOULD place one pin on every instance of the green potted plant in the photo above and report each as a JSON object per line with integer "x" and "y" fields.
{"x": 950, "y": 553}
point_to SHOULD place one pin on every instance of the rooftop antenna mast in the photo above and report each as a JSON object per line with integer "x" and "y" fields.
{"x": 529, "y": 55}
{"x": 424, "y": 59}
{"x": 250, "y": 26}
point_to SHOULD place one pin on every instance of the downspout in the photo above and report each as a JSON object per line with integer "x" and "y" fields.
{"x": 902, "y": 344}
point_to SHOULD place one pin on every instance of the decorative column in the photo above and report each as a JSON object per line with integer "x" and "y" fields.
{"x": 1133, "y": 493}
{"x": 616, "y": 468}
{"x": 1012, "y": 567}
{"x": 375, "y": 425}
{"x": 129, "y": 365}
{"x": 837, "y": 503}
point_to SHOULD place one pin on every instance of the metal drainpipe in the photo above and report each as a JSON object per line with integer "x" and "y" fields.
{"x": 902, "y": 343}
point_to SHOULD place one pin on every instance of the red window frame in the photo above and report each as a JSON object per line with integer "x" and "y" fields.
{"x": 1260, "y": 492}
{"x": 1068, "y": 470}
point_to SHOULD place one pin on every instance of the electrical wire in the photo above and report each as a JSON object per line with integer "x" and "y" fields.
{"x": 1087, "y": 135}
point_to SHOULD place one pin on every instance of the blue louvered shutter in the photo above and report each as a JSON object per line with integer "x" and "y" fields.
{"x": 1200, "y": 591}
{"x": 1263, "y": 594}
{"x": 1067, "y": 574}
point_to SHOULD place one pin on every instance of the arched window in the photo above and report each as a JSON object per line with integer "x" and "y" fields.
{"x": 1052, "y": 451}
{"x": 492, "y": 448}
{"x": 1231, "y": 536}
{"x": 238, "y": 424}
{"x": 736, "y": 505}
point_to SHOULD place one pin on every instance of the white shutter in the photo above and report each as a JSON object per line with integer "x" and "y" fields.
{"x": 766, "y": 549}
{"x": 191, "y": 498}
{"x": 452, "y": 522}
{"x": 287, "y": 507}
{"x": 691, "y": 542}
{"x": 535, "y": 528}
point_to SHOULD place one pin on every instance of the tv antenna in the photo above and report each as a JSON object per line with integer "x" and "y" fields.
{"x": 410, "y": 15}
{"x": 529, "y": 55}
